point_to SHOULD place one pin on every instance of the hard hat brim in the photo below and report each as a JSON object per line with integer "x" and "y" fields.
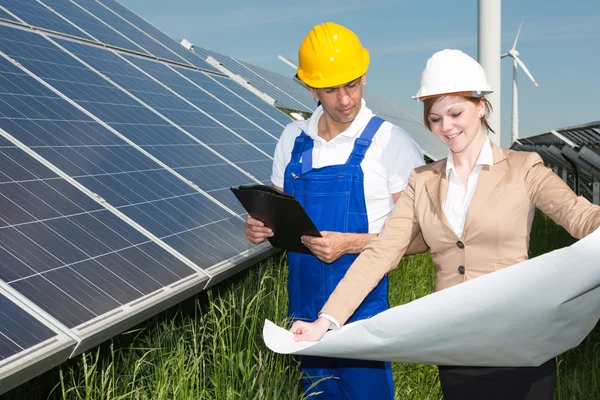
{"x": 478, "y": 93}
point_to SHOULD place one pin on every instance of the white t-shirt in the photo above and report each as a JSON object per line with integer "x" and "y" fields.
{"x": 387, "y": 165}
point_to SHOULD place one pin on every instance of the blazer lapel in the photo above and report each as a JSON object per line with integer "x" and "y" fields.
{"x": 437, "y": 187}
{"x": 488, "y": 180}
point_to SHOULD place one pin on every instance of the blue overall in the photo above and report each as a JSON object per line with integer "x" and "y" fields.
{"x": 334, "y": 198}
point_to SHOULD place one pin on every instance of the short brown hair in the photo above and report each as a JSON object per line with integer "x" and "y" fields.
{"x": 429, "y": 101}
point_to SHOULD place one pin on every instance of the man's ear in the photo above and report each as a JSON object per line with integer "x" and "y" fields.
{"x": 314, "y": 92}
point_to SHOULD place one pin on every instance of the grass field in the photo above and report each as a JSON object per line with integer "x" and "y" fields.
{"x": 210, "y": 347}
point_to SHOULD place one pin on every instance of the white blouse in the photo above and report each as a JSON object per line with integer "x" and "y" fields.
{"x": 458, "y": 196}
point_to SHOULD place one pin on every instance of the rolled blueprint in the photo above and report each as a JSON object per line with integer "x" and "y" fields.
{"x": 522, "y": 315}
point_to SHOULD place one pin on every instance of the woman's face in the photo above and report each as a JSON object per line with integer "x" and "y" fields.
{"x": 456, "y": 121}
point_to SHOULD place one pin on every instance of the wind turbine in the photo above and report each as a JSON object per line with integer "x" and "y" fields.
{"x": 515, "y": 95}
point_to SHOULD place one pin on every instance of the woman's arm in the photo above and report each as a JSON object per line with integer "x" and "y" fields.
{"x": 555, "y": 198}
{"x": 382, "y": 254}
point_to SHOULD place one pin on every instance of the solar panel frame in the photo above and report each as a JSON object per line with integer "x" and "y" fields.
{"x": 35, "y": 359}
{"x": 5, "y": 15}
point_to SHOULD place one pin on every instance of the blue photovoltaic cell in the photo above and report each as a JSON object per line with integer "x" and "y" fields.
{"x": 283, "y": 83}
{"x": 222, "y": 93}
{"x": 36, "y": 14}
{"x": 64, "y": 251}
{"x": 130, "y": 181}
{"x": 19, "y": 330}
{"x": 251, "y": 98}
{"x": 283, "y": 99}
{"x": 181, "y": 113}
{"x": 94, "y": 27}
{"x": 157, "y": 34}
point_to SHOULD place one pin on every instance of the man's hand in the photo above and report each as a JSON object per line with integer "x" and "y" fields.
{"x": 328, "y": 248}
{"x": 310, "y": 331}
{"x": 256, "y": 231}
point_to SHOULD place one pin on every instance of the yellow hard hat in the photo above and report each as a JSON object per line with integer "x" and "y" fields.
{"x": 331, "y": 55}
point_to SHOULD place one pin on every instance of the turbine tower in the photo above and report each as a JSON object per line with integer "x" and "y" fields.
{"x": 515, "y": 95}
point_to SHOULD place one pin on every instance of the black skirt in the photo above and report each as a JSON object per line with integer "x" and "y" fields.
{"x": 491, "y": 383}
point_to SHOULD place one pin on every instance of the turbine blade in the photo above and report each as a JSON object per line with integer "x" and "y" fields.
{"x": 504, "y": 55}
{"x": 517, "y": 38}
{"x": 522, "y": 65}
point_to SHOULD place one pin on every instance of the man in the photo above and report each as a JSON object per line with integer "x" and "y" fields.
{"x": 347, "y": 168}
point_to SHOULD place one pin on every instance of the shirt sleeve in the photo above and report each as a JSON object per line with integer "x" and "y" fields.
{"x": 280, "y": 160}
{"x": 402, "y": 155}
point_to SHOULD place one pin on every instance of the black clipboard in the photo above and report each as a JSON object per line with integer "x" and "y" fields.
{"x": 279, "y": 211}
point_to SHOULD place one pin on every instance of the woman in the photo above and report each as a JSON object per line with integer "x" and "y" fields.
{"x": 474, "y": 209}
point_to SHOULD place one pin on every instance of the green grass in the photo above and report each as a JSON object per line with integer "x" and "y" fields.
{"x": 211, "y": 347}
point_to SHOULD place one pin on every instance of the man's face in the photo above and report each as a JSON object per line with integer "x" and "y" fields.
{"x": 342, "y": 103}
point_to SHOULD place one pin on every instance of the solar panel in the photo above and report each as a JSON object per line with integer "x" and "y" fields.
{"x": 25, "y": 340}
{"x": 157, "y": 35}
{"x": 65, "y": 252}
{"x": 259, "y": 104}
{"x": 226, "y": 114}
{"x": 149, "y": 194}
{"x": 114, "y": 188}
{"x": 206, "y": 128}
{"x": 94, "y": 27}
{"x": 127, "y": 29}
{"x": 283, "y": 83}
{"x": 34, "y": 13}
{"x": 246, "y": 109}
{"x": 282, "y": 99}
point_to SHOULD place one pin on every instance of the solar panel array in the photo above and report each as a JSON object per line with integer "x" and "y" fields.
{"x": 573, "y": 153}
{"x": 117, "y": 150}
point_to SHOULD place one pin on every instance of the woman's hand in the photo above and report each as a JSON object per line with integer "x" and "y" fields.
{"x": 310, "y": 331}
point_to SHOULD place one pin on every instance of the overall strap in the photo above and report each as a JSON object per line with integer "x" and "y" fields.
{"x": 303, "y": 146}
{"x": 362, "y": 143}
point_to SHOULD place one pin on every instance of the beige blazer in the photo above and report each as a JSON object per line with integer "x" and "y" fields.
{"x": 497, "y": 225}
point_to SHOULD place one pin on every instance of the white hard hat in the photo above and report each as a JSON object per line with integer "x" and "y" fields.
{"x": 451, "y": 71}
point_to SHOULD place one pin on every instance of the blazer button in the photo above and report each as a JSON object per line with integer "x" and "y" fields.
{"x": 460, "y": 245}
{"x": 461, "y": 270}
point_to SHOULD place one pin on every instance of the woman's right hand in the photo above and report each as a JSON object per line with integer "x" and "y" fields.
{"x": 310, "y": 331}
{"x": 256, "y": 231}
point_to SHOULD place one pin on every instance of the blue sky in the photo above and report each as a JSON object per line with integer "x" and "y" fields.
{"x": 559, "y": 43}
